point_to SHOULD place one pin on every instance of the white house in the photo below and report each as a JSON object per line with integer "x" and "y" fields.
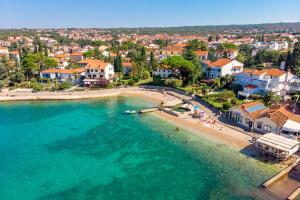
{"x": 272, "y": 80}
{"x": 163, "y": 71}
{"x": 222, "y": 67}
{"x": 97, "y": 72}
{"x": 72, "y": 75}
{"x": 282, "y": 120}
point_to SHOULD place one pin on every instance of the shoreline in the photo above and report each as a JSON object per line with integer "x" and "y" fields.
{"x": 226, "y": 136}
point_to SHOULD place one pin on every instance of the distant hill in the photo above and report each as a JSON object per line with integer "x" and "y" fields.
{"x": 268, "y": 27}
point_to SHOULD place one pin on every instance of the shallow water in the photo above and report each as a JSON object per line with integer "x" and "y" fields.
{"x": 90, "y": 150}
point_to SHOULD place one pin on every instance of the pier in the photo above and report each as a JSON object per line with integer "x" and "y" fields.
{"x": 286, "y": 184}
{"x": 148, "y": 110}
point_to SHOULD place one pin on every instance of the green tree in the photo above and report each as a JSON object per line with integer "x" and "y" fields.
{"x": 288, "y": 61}
{"x": 190, "y": 55}
{"x": 46, "y": 51}
{"x": 194, "y": 45}
{"x": 143, "y": 55}
{"x": 153, "y": 62}
{"x": 32, "y": 63}
{"x": 185, "y": 67}
{"x": 296, "y": 58}
{"x": 50, "y": 63}
{"x": 88, "y": 54}
{"x": 271, "y": 99}
{"x": 118, "y": 65}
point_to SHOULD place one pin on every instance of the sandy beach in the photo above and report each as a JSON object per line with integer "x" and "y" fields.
{"x": 216, "y": 131}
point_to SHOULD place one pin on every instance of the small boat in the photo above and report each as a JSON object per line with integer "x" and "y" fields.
{"x": 130, "y": 111}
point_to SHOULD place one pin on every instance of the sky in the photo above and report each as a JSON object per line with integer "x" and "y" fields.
{"x": 143, "y": 13}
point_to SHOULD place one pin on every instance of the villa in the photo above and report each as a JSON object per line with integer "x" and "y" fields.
{"x": 76, "y": 56}
{"x": 272, "y": 80}
{"x": 164, "y": 71}
{"x": 97, "y": 72}
{"x": 74, "y": 76}
{"x": 172, "y": 51}
{"x": 202, "y": 55}
{"x": 222, "y": 67}
{"x": 282, "y": 120}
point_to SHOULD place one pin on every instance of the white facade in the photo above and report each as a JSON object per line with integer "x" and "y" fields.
{"x": 163, "y": 72}
{"x": 106, "y": 73}
{"x": 273, "y": 80}
{"x": 223, "y": 67}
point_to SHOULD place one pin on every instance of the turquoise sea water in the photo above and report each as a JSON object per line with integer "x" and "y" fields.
{"x": 90, "y": 150}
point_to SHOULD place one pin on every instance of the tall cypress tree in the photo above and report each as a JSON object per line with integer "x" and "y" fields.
{"x": 288, "y": 61}
{"x": 46, "y": 51}
{"x": 296, "y": 58}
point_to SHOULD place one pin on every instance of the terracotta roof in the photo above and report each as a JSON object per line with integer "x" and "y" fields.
{"x": 282, "y": 114}
{"x": 220, "y": 62}
{"x": 61, "y": 55}
{"x": 173, "y": 48}
{"x": 77, "y": 54}
{"x": 269, "y": 72}
{"x": 275, "y": 72}
{"x": 93, "y": 63}
{"x": 257, "y": 113}
{"x": 64, "y": 71}
{"x": 14, "y": 52}
{"x": 201, "y": 53}
{"x": 127, "y": 64}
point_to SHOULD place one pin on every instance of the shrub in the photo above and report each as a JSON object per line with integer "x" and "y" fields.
{"x": 226, "y": 106}
{"x": 234, "y": 101}
{"x": 64, "y": 85}
{"x": 255, "y": 96}
{"x": 236, "y": 88}
{"x": 36, "y": 86}
{"x": 1, "y": 84}
{"x": 131, "y": 82}
{"x": 173, "y": 82}
{"x": 146, "y": 75}
{"x": 136, "y": 79}
{"x": 157, "y": 80}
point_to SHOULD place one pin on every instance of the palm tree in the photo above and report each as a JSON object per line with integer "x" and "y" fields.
{"x": 218, "y": 83}
{"x": 204, "y": 89}
{"x": 295, "y": 99}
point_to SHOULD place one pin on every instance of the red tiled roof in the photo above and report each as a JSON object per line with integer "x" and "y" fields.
{"x": 64, "y": 71}
{"x": 201, "y": 53}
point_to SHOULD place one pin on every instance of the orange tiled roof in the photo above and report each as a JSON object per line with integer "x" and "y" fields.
{"x": 220, "y": 62}
{"x": 127, "y": 64}
{"x": 14, "y": 52}
{"x": 201, "y": 53}
{"x": 64, "y": 71}
{"x": 275, "y": 72}
{"x": 256, "y": 114}
{"x": 282, "y": 114}
{"x": 93, "y": 63}
{"x": 76, "y": 54}
{"x": 270, "y": 72}
{"x": 173, "y": 48}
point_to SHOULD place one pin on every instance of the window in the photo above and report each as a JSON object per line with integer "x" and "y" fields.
{"x": 91, "y": 70}
{"x": 259, "y": 125}
{"x": 247, "y": 121}
{"x": 267, "y": 128}
{"x": 96, "y": 70}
